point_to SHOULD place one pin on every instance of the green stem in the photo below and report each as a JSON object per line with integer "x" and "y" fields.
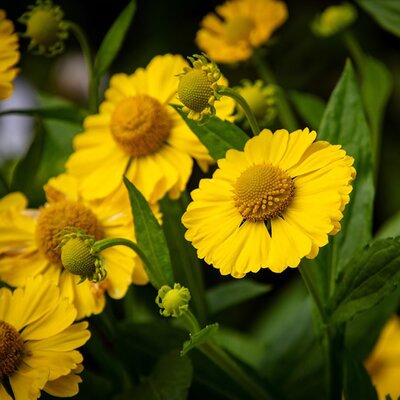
{"x": 355, "y": 50}
{"x": 243, "y": 103}
{"x": 225, "y": 362}
{"x": 286, "y": 115}
{"x": 93, "y": 79}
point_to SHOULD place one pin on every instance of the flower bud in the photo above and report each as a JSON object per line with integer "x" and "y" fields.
{"x": 173, "y": 302}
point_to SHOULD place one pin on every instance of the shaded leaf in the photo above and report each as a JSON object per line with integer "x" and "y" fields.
{"x": 385, "y": 12}
{"x": 150, "y": 239}
{"x": 309, "y": 106}
{"x": 199, "y": 338}
{"x": 232, "y": 293}
{"x": 113, "y": 40}
{"x": 367, "y": 279}
{"x": 217, "y": 135}
{"x": 390, "y": 228}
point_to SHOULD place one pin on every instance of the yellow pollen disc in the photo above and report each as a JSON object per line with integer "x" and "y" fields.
{"x": 58, "y": 216}
{"x": 11, "y": 349}
{"x": 195, "y": 90}
{"x": 140, "y": 125}
{"x": 43, "y": 27}
{"x": 263, "y": 192}
{"x": 77, "y": 259}
{"x": 237, "y": 29}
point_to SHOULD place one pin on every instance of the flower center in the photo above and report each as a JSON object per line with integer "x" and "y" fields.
{"x": 237, "y": 29}
{"x": 58, "y": 216}
{"x": 42, "y": 27}
{"x": 255, "y": 99}
{"x": 11, "y": 349}
{"x": 195, "y": 90}
{"x": 263, "y": 192}
{"x": 140, "y": 125}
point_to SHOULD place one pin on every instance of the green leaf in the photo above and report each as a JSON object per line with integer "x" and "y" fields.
{"x": 390, "y": 228}
{"x": 385, "y": 12}
{"x": 185, "y": 263}
{"x": 229, "y": 294}
{"x": 64, "y": 113}
{"x": 113, "y": 40}
{"x": 367, "y": 279}
{"x": 170, "y": 380}
{"x": 357, "y": 383}
{"x": 150, "y": 239}
{"x": 217, "y": 135}
{"x": 309, "y": 106}
{"x": 199, "y": 338}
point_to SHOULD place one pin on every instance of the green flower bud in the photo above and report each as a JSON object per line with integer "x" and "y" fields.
{"x": 173, "y": 302}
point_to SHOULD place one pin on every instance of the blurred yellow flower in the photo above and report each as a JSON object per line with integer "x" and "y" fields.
{"x": 9, "y": 56}
{"x": 139, "y": 134}
{"x": 238, "y": 27}
{"x": 38, "y": 342}
{"x": 28, "y": 243}
{"x": 271, "y": 204}
{"x": 384, "y": 362}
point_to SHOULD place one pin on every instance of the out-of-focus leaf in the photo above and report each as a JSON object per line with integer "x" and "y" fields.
{"x": 229, "y": 294}
{"x": 185, "y": 263}
{"x": 309, "y": 106}
{"x": 113, "y": 40}
{"x": 150, "y": 239}
{"x": 217, "y": 135}
{"x": 170, "y": 380}
{"x": 3, "y": 185}
{"x": 385, "y": 12}
{"x": 366, "y": 279}
{"x": 357, "y": 383}
{"x": 66, "y": 113}
{"x": 390, "y": 228}
{"x": 199, "y": 338}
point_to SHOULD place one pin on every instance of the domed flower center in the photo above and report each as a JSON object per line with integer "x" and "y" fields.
{"x": 237, "y": 29}
{"x": 43, "y": 27}
{"x": 140, "y": 125}
{"x": 58, "y": 216}
{"x": 195, "y": 90}
{"x": 263, "y": 192}
{"x": 11, "y": 349}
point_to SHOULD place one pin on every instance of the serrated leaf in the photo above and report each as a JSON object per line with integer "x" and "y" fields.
{"x": 309, "y": 106}
{"x": 64, "y": 113}
{"x": 150, "y": 239}
{"x": 113, "y": 40}
{"x": 357, "y": 383}
{"x": 385, "y": 12}
{"x": 367, "y": 279}
{"x": 199, "y": 338}
{"x": 217, "y": 135}
{"x": 229, "y": 294}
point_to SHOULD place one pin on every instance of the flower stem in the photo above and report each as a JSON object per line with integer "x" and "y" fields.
{"x": 243, "y": 103}
{"x": 93, "y": 79}
{"x": 286, "y": 115}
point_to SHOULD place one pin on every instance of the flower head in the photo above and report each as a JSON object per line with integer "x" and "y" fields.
{"x": 271, "y": 204}
{"x": 173, "y": 301}
{"x": 9, "y": 56}
{"x": 198, "y": 86}
{"x": 238, "y": 27}
{"x": 34, "y": 245}
{"x": 261, "y": 100}
{"x": 334, "y": 19}
{"x": 383, "y": 364}
{"x": 38, "y": 342}
{"x": 45, "y": 28}
{"x": 138, "y": 134}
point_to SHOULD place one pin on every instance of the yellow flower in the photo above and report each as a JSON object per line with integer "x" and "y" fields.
{"x": 384, "y": 362}
{"x": 271, "y": 204}
{"x": 137, "y": 131}
{"x": 38, "y": 342}
{"x": 45, "y": 28}
{"x": 238, "y": 27}
{"x": 9, "y": 56}
{"x": 29, "y": 240}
